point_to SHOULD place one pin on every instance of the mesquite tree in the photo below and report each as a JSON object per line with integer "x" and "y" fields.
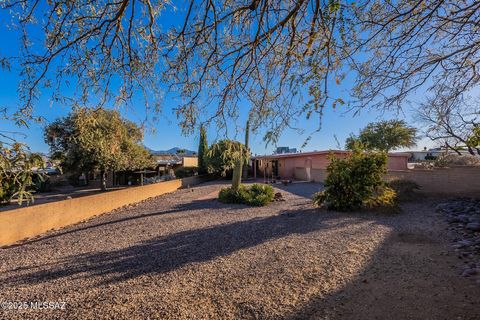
{"x": 282, "y": 57}
{"x": 453, "y": 121}
{"x": 384, "y": 136}
{"x": 97, "y": 139}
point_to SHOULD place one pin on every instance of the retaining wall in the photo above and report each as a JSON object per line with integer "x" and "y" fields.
{"x": 26, "y": 222}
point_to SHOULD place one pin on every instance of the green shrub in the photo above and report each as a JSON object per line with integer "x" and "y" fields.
{"x": 355, "y": 182}
{"x": 256, "y": 195}
{"x": 184, "y": 172}
{"x": 228, "y": 195}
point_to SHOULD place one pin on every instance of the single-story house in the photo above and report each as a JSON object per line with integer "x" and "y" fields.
{"x": 310, "y": 166}
{"x": 165, "y": 162}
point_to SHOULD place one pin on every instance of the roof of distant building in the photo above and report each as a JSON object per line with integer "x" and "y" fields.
{"x": 314, "y": 153}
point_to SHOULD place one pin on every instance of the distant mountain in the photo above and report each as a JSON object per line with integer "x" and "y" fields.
{"x": 175, "y": 150}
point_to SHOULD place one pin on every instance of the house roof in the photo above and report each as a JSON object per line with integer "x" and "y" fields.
{"x": 316, "y": 153}
{"x": 168, "y": 159}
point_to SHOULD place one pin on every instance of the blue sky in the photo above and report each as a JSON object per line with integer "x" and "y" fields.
{"x": 165, "y": 133}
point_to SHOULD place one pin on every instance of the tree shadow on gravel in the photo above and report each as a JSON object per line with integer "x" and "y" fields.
{"x": 210, "y": 204}
{"x": 411, "y": 275}
{"x": 170, "y": 252}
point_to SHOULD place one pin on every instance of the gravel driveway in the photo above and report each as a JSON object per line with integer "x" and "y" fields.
{"x": 185, "y": 255}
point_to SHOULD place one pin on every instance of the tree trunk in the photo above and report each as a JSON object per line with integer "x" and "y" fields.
{"x": 103, "y": 180}
{"x": 470, "y": 150}
{"x": 237, "y": 175}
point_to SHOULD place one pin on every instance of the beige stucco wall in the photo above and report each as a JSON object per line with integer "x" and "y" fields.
{"x": 30, "y": 221}
{"x": 190, "y": 161}
{"x": 455, "y": 180}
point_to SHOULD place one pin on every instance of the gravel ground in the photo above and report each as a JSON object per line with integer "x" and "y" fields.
{"x": 185, "y": 255}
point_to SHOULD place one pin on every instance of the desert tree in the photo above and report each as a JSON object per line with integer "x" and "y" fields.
{"x": 282, "y": 57}
{"x": 411, "y": 45}
{"x": 383, "y": 136}
{"x": 105, "y": 49}
{"x": 222, "y": 52}
{"x": 452, "y": 121}
{"x": 97, "y": 140}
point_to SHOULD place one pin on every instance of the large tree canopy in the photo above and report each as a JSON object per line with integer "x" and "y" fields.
{"x": 383, "y": 136}
{"x": 282, "y": 57}
{"x": 98, "y": 139}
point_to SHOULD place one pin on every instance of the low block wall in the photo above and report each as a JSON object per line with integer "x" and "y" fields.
{"x": 26, "y": 222}
{"x": 454, "y": 180}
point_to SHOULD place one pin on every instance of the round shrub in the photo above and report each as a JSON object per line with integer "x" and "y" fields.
{"x": 228, "y": 195}
{"x": 355, "y": 182}
{"x": 256, "y": 195}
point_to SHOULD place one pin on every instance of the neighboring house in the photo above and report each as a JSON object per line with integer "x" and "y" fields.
{"x": 282, "y": 150}
{"x": 424, "y": 155}
{"x": 310, "y": 165}
{"x": 430, "y": 154}
{"x": 165, "y": 162}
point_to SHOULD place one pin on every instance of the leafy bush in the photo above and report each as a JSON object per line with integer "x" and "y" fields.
{"x": 16, "y": 171}
{"x": 355, "y": 182}
{"x": 256, "y": 195}
{"x": 405, "y": 189}
{"x": 184, "y": 172}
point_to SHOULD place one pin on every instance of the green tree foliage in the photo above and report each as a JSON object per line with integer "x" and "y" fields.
{"x": 383, "y": 136}
{"x": 228, "y": 156}
{"x": 16, "y": 172}
{"x": 356, "y": 182}
{"x": 97, "y": 140}
{"x": 202, "y": 150}
{"x": 285, "y": 58}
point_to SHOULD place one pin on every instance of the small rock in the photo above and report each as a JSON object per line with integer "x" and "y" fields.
{"x": 278, "y": 197}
